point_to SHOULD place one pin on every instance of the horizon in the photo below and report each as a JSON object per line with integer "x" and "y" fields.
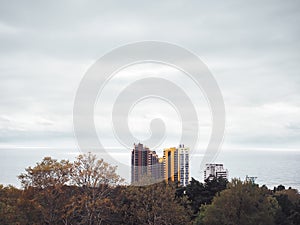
{"x": 236, "y": 169}
{"x": 222, "y": 77}
{"x": 83, "y": 81}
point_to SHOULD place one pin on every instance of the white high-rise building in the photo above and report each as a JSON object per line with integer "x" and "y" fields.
{"x": 184, "y": 165}
{"x": 215, "y": 170}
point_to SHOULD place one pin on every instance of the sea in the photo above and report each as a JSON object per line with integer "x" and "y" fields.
{"x": 271, "y": 167}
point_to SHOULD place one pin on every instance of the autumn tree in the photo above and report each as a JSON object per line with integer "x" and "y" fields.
{"x": 153, "y": 204}
{"x": 9, "y": 212}
{"x": 48, "y": 173}
{"x": 95, "y": 181}
{"x": 43, "y": 186}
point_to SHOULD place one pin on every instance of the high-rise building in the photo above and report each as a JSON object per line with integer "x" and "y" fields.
{"x": 172, "y": 167}
{"x": 215, "y": 170}
{"x": 145, "y": 162}
{"x": 184, "y": 165}
{"x": 171, "y": 164}
{"x": 139, "y": 161}
{"x": 155, "y": 166}
{"x": 161, "y": 168}
{"x": 177, "y": 166}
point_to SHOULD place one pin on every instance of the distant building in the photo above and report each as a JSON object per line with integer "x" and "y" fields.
{"x": 155, "y": 166}
{"x": 161, "y": 168}
{"x": 177, "y": 167}
{"x": 215, "y": 170}
{"x": 184, "y": 165}
{"x": 145, "y": 162}
{"x": 139, "y": 162}
{"x": 171, "y": 165}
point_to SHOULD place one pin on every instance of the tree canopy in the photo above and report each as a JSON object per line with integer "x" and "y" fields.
{"x": 242, "y": 203}
{"x": 89, "y": 191}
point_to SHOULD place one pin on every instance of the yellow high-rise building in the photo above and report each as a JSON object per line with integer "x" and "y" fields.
{"x": 171, "y": 161}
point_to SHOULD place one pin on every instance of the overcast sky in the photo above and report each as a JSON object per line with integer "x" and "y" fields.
{"x": 251, "y": 47}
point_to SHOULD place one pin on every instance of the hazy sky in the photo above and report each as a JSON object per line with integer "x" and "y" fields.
{"x": 251, "y": 47}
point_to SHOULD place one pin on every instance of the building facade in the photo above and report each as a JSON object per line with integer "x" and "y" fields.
{"x": 172, "y": 167}
{"x": 145, "y": 163}
{"x": 215, "y": 170}
{"x": 155, "y": 166}
{"x": 177, "y": 165}
{"x": 184, "y": 165}
{"x": 171, "y": 164}
{"x": 139, "y": 162}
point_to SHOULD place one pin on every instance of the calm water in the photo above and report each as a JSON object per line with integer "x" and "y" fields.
{"x": 271, "y": 167}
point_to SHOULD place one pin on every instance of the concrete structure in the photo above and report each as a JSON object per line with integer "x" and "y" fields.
{"x": 145, "y": 163}
{"x": 155, "y": 166}
{"x": 139, "y": 162}
{"x": 172, "y": 167}
{"x": 215, "y": 170}
{"x": 161, "y": 168}
{"x": 184, "y": 165}
{"x": 177, "y": 166}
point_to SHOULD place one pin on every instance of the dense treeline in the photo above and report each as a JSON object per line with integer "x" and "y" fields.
{"x": 89, "y": 191}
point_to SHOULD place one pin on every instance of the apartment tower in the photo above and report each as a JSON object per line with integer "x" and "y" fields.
{"x": 214, "y": 171}
{"x": 145, "y": 162}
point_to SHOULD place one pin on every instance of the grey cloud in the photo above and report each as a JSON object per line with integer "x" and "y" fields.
{"x": 79, "y": 28}
{"x": 294, "y": 127}
{"x": 252, "y": 48}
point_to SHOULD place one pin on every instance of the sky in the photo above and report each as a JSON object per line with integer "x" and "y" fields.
{"x": 252, "y": 48}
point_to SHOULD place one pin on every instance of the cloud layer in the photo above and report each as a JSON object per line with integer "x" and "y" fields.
{"x": 252, "y": 48}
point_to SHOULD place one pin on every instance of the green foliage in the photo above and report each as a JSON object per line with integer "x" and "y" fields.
{"x": 153, "y": 204}
{"x": 199, "y": 194}
{"x": 289, "y": 202}
{"x": 243, "y": 203}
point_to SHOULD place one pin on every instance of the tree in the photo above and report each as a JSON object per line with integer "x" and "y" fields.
{"x": 199, "y": 194}
{"x": 289, "y": 202}
{"x": 46, "y": 182}
{"x": 9, "y": 213}
{"x": 95, "y": 181}
{"x": 153, "y": 204}
{"x": 48, "y": 173}
{"x": 86, "y": 201}
{"x": 214, "y": 186}
{"x": 279, "y": 188}
{"x": 243, "y": 204}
